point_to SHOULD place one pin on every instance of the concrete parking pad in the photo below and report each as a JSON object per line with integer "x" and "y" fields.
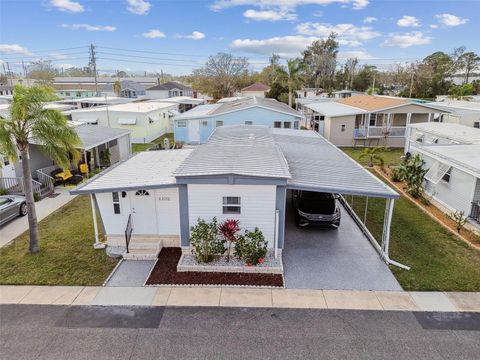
{"x": 49, "y": 295}
{"x": 432, "y": 301}
{"x": 396, "y": 300}
{"x": 465, "y": 301}
{"x": 13, "y": 294}
{"x": 298, "y": 298}
{"x": 162, "y": 295}
{"x": 333, "y": 259}
{"x": 246, "y": 297}
{"x": 125, "y": 296}
{"x": 131, "y": 273}
{"x": 358, "y": 300}
{"x": 87, "y": 295}
{"x": 194, "y": 296}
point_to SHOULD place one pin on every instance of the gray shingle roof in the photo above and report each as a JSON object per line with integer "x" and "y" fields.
{"x": 170, "y": 85}
{"x": 94, "y": 135}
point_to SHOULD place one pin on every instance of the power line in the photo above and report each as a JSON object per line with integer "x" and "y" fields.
{"x": 150, "y": 63}
{"x": 55, "y": 56}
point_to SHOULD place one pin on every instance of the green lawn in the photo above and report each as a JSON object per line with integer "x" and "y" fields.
{"x": 438, "y": 260}
{"x": 66, "y": 253}
{"x": 144, "y": 147}
{"x": 391, "y": 156}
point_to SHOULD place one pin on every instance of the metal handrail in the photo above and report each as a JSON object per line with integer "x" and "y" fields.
{"x": 128, "y": 231}
{"x": 15, "y": 184}
{"x": 46, "y": 180}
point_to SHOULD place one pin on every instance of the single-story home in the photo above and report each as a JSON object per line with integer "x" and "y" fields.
{"x": 75, "y": 93}
{"x": 368, "y": 120}
{"x": 146, "y": 120}
{"x": 460, "y": 112}
{"x": 243, "y": 172}
{"x": 81, "y": 103}
{"x": 452, "y": 156}
{"x": 129, "y": 89}
{"x": 169, "y": 90}
{"x": 257, "y": 89}
{"x": 88, "y": 82}
{"x": 184, "y": 103}
{"x": 196, "y": 125}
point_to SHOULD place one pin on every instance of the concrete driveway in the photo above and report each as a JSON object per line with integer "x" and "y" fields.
{"x": 327, "y": 258}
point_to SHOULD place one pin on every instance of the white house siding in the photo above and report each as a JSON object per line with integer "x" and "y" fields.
{"x": 333, "y": 130}
{"x": 454, "y": 195}
{"x": 124, "y": 146}
{"x": 155, "y": 215}
{"x": 260, "y": 94}
{"x": 257, "y": 206}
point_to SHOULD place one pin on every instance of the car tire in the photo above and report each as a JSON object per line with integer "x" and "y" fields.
{"x": 23, "y": 209}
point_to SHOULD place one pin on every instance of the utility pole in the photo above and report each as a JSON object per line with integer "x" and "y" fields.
{"x": 93, "y": 64}
{"x": 373, "y": 85}
{"x": 24, "y": 70}
{"x": 161, "y": 76}
{"x": 9, "y": 78}
{"x": 411, "y": 85}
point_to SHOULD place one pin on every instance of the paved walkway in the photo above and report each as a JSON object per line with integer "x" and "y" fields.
{"x": 45, "y": 207}
{"x": 241, "y": 297}
{"x": 131, "y": 273}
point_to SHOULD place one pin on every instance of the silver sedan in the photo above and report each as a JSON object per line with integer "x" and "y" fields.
{"x": 11, "y": 206}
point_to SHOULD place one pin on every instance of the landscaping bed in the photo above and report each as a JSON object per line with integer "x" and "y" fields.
{"x": 165, "y": 273}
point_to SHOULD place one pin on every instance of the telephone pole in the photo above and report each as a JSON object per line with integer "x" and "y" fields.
{"x": 93, "y": 65}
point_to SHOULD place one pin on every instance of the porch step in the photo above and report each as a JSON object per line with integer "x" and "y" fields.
{"x": 141, "y": 254}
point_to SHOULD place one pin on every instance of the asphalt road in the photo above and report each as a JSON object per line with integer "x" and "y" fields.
{"x": 68, "y": 333}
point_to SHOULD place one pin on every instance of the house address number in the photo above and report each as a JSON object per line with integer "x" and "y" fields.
{"x": 164, "y": 198}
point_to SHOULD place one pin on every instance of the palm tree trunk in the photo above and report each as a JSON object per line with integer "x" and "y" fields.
{"x": 290, "y": 97}
{"x": 28, "y": 189}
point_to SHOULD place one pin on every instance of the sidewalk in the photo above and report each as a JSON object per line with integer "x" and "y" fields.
{"x": 44, "y": 208}
{"x": 241, "y": 297}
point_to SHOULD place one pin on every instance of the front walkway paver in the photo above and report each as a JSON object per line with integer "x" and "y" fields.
{"x": 45, "y": 207}
{"x": 54, "y": 295}
{"x": 344, "y": 299}
{"x": 246, "y": 297}
{"x": 194, "y": 296}
{"x": 141, "y": 296}
{"x": 432, "y": 301}
{"x": 396, "y": 300}
{"x": 14, "y": 294}
{"x": 298, "y": 298}
{"x": 465, "y": 301}
{"x": 162, "y": 295}
{"x": 131, "y": 273}
{"x": 87, "y": 295}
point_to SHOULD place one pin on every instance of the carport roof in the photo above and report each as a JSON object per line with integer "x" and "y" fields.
{"x": 317, "y": 165}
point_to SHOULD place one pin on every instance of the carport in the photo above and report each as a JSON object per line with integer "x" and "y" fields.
{"x": 317, "y": 165}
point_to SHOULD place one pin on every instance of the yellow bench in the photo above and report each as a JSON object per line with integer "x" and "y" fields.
{"x": 64, "y": 176}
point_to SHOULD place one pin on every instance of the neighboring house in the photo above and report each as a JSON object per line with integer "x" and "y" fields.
{"x": 243, "y": 172}
{"x": 6, "y": 90}
{"x": 195, "y": 126}
{"x": 184, "y": 103}
{"x": 146, "y": 120}
{"x": 343, "y": 94}
{"x": 88, "y": 82}
{"x": 169, "y": 90}
{"x": 82, "y": 103}
{"x": 75, "y": 94}
{"x": 129, "y": 89}
{"x": 308, "y": 93}
{"x": 257, "y": 89}
{"x": 460, "y": 112}
{"x": 452, "y": 156}
{"x": 368, "y": 120}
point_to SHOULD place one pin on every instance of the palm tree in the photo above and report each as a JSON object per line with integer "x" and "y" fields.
{"x": 373, "y": 156}
{"x": 291, "y": 77}
{"x": 29, "y": 118}
{"x": 117, "y": 87}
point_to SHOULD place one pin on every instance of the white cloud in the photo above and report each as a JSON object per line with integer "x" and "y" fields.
{"x": 87, "y": 27}
{"x": 285, "y": 4}
{"x": 285, "y": 46}
{"x": 63, "y": 66}
{"x": 360, "y": 55}
{"x": 406, "y": 40}
{"x": 269, "y": 15}
{"x": 450, "y": 20}
{"x": 67, "y": 6}
{"x": 434, "y": 26}
{"x": 408, "y": 21}
{"x": 369, "y": 19}
{"x": 195, "y": 35}
{"x": 153, "y": 34}
{"x": 58, "y": 56}
{"x": 14, "y": 49}
{"x": 138, "y": 7}
{"x": 348, "y": 34}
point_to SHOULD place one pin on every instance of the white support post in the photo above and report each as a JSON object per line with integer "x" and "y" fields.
{"x": 275, "y": 239}
{"x": 365, "y": 214}
{"x": 409, "y": 118}
{"x": 387, "y": 222}
{"x": 98, "y": 244}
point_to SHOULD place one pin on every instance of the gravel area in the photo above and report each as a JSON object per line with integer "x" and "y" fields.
{"x": 165, "y": 273}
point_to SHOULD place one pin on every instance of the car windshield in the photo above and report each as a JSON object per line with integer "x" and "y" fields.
{"x": 4, "y": 201}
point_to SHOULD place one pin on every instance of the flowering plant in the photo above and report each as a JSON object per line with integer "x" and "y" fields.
{"x": 229, "y": 229}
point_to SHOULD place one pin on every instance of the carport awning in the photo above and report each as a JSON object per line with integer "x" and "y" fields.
{"x": 317, "y": 165}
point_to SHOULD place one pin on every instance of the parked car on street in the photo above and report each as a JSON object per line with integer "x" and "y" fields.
{"x": 12, "y": 206}
{"x": 316, "y": 208}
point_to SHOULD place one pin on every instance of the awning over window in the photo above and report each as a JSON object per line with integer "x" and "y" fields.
{"x": 437, "y": 172}
{"x": 127, "y": 121}
{"x": 88, "y": 121}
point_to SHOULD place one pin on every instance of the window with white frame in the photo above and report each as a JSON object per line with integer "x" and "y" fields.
{"x": 447, "y": 175}
{"x": 142, "y": 193}
{"x": 231, "y": 205}
{"x": 219, "y": 123}
{"x": 373, "y": 119}
{"x": 277, "y": 124}
{"x": 287, "y": 124}
{"x": 182, "y": 123}
{"x": 295, "y": 124}
{"x": 116, "y": 203}
{"x": 204, "y": 123}
{"x": 476, "y": 124}
{"x": 248, "y": 122}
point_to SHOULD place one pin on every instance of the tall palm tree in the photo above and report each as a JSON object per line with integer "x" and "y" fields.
{"x": 291, "y": 77}
{"x": 117, "y": 87}
{"x": 29, "y": 118}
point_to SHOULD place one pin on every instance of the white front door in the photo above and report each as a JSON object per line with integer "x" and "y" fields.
{"x": 8, "y": 169}
{"x": 144, "y": 216}
{"x": 194, "y": 131}
{"x": 167, "y": 211}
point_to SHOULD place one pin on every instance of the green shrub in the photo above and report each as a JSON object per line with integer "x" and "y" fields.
{"x": 251, "y": 247}
{"x": 412, "y": 172}
{"x": 3, "y": 191}
{"x": 36, "y": 197}
{"x": 395, "y": 175}
{"x": 205, "y": 240}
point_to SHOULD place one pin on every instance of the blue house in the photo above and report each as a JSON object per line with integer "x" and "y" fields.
{"x": 196, "y": 125}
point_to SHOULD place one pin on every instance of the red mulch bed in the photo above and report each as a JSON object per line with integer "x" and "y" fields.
{"x": 165, "y": 273}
